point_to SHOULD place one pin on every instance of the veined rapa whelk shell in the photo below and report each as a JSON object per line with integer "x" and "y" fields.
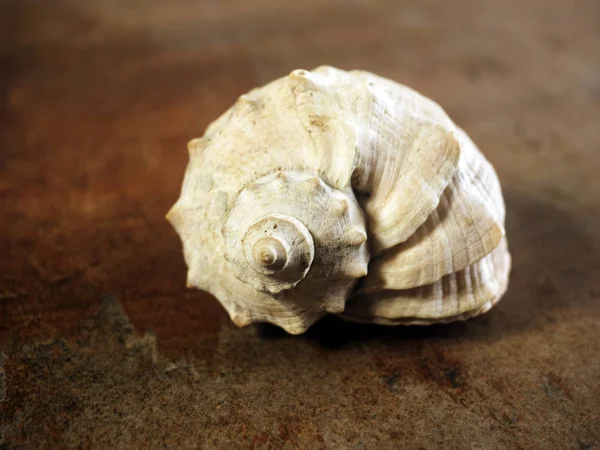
{"x": 329, "y": 191}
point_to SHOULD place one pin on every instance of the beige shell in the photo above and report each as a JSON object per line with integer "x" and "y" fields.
{"x": 341, "y": 192}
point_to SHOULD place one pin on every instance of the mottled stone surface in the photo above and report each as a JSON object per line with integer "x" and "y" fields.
{"x": 101, "y": 344}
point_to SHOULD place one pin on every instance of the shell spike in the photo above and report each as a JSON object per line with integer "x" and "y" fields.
{"x": 356, "y": 270}
{"x": 341, "y": 208}
{"x": 195, "y": 144}
{"x": 336, "y": 305}
{"x": 245, "y": 99}
{"x": 312, "y": 184}
{"x": 240, "y": 319}
{"x": 299, "y": 74}
{"x": 355, "y": 237}
{"x": 190, "y": 281}
{"x": 176, "y": 218}
{"x": 244, "y": 105}
{"x": 304, "y": 79}
{"x": 297, "y": 325}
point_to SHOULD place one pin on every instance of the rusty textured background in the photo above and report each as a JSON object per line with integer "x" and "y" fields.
{"x": 103, "y": 346}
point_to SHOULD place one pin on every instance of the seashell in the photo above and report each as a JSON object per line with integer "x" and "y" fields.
{"x": 339, "y": 192}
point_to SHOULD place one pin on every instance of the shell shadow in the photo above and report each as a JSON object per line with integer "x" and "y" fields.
{"x": 552, "y": 272}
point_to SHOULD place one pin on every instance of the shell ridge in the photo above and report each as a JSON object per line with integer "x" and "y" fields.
{"x": 321, "y": 115}
{"x": 479, "y": 169}
{"x": 475, "y": 232}
{"x": 425, "y": 186}
{"x": 361, "y": 164}
{"x": 311, "y": 137}
{"x": 463, "y": 175}
{"x": 474, "y": 292}
{"x": 399, "y": 224}
{"x": 466, "y": 212}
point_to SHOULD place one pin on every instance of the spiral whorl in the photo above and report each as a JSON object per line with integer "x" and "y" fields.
{"x": 269, "y": 255}
{"x": 289, "y": 226}
{"x": 280, "y": 249}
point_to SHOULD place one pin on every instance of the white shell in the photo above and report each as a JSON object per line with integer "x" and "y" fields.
{"x": 341, "y": 192}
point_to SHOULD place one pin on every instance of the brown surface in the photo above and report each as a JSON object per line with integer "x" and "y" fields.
{"x": 98, "y": 102}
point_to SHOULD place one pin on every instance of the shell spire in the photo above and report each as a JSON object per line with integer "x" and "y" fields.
{"x": 323, "y": 178}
